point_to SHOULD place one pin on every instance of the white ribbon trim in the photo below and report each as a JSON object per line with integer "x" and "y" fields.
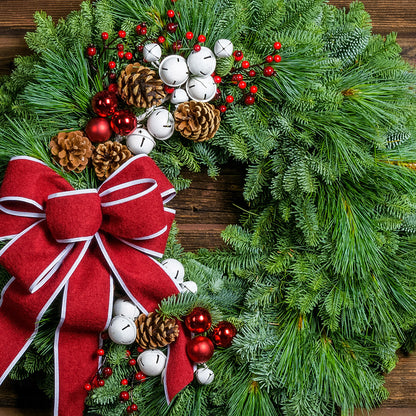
{"x": 22, "y": 199}
{"x": 33, "y": 159}
{"x": 74, "y": 192}
{"x": 5, "y": 288}
{"x": 141, "y": 249}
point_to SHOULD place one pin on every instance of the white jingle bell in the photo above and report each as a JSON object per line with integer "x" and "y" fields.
{"x": 161, "y": 124}
{"x": 173, "y": 71}
{"x": 204, "y": 375}
{"x": 152, "y": 362}
{"x": 122, "y": 330}
{"x": 188, "y": 286}
{"x": 152, "y": 52}
{"x": 201, "y": 88}
{"x": 125, "y": 307}
{"x": 174, "y": 269}
{"x": 202, "y": 63}
{"x": 223, "y": 48}
{"x": 179, "y": 96}
{"x": 140, "y": 141}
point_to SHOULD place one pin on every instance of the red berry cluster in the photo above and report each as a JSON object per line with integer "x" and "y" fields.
{"x": 103, "y": 373}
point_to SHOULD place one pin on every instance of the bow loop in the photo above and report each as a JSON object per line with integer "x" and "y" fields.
{"x": 74, "y": 216}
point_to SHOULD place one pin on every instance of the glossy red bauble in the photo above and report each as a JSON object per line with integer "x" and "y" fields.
{"x": 252, "y": 73}
{"x": 201, "y": 38}
{"x": 168, "y": 90}
{"x": 268, "y": 71}
{"x": 107, "y": 371}
{"x": 132, "y": 362}
{"x": 171, "y": 27}
{"x": 143, "y": 31}
{"x": 224, "y": 332}
{"x": 170, "y": 13}
{"x": 124, "y": 396}
{"x": 161, "y": 39}
{"x": 111, "y": 64}
{"x": 269, "y": 58}
{"x": 88, "y": 387}
{"x": 229, "y": 99}
{"x": 217, "y": 79}
{"x": 200, "y": 349}
{"x": 197, "y": 48}
{"x": 189, "y": 35}
{"x": 238, "y": 55}
{"x": 128, "y": 55}
{"x": 100, "y": 352}
{"x": 140, "y": 376}
{"x": 177, "y": 45}
{"x": 101, "y": 383}
{"x": 253, "y": 89}
{"x": 121, "y": 34}
{"x": 124, "y": 382}
{"x": 91, "y": 50}
{"x": 104, "y": 103}
{"x": 242, "y": 85}
{"x": 198, "y": 321}
{"x": 245, "y": 64}
{"x": 222, "y": 108}
{"x": 277, "y": 58}
{"x": 123, "y": 122}
{"x": 277, "y": 45}
{"x": 104, "y": 36}
{"x": 98, "y": 129}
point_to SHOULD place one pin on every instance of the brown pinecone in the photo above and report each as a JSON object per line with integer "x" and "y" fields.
{"x": 108, "y": 157}
{"x": 196, "y": 120}
{"x": 140, "y": 86}
{"x": 155, "y": 332}
{"x": 72, "y": 150}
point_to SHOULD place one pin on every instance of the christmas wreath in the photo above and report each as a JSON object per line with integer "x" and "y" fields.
{"x": 305, "y": 310}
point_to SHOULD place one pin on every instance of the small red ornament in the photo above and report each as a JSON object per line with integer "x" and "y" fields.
{"x": 197, "y": 48}
{"x": 101, "y": 383}
{"x": 268, "y": 71}
{"x": 107, "y": 371}
{"x": 140, "y": 48}
{"x": 238, "y": 55}
{"x": 134, "y": 407}
{"x": 277, "y": 45}
{"x": 124, "y": 396}
{"x": 253, "y": 89}
{"x": 113, "y": 88}
{"x": 161, "y": 39}
{"x": 242, "y": 85}
{"x": 140, "y": 376}
{"x": 124, "y": 382}
{"x": 98, "y": 130}
{"x": 138, "y": 28}
{"x": 121, "y": 33}
{"x": 200, "y": 349}
{"x": 100, "y": 352}
{"x": 217, "y": 79}
{"x": 201, "y": 38}
{"x": 237, "y": 77}
{"x": 132, "y": 362}
{"x": 143, "y": 31}
{"x": 111, "y": 64}
{"x": 128, "y": 410}
{"x": 177, "y": 45}
{"x": 120, "y": 47}
{"x": 104, "y": 36}
{"x": 245, "y": 64}
{"x": 123, "y": 122}
{"x": 277, "y": 58}
{"x": 170, "y": 13}
{"x": 199, "y": 320}
{"x": 269, "y": 58}
{"x": 168, "y": 90}
{"x": 222, "y": 108}
{"x": 88, "y": 387}
{"x": 128, "y": 55}
{"x": 121, "y": 54}
{"x": 128, "y": 353}
{"x": 140, "y": 350}
{"x": 217, "y": 94}
{"x": 224, "y": 332}
{"x": 91, "y": 50}
{"x": 249, "y": 99}
{"x": 229, "y": 99}
{"x": 252, "y": 73}
{"x": 171, "y": 27}
{"x": 189, "y": 35}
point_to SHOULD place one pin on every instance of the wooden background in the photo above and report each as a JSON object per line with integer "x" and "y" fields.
{"x": 205, "y": 209}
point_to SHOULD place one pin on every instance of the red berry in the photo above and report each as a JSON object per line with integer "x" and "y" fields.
{"x": 140, "y": 48}
{"x": 217, "y": 79}
{"x": 170, "y": 13}
{"x": 124, "y": 396}
{"x": 249, "y": 99}
{"x": 100, "y": 352}
{"x": 143, "y": 31}
{"x": 252, "y": 73}
{"x": 171, "y": 27}
{"x": 112, "y": 75}
{"x": 88, "y": 387}
{"x": 197, "y": 48}
{"x": 201, "y": 38}
{"x": 177, "y": 45}
{"x": 101, "y": 383}
{"x": 111, "y": 64}
{"x": 128, "y": 55}
{"x": 268, "y": 71}
{"x": 277, "y": 45}
{"x": 91, "y": 51}
{"x": 245, "y": 64}
{"x": 238, "y": 77}
{"x": 121, "y": 54}
{"x": 253, "y": 89}
{"x": 133, "y": 407}
{"x": 168, "y": 90}
{"x": 138, "y": 28}
{"x": 132, "y": 362}
{"x": 242, "y": 85}
{"x": 222, "y": 108}
{"x": 189, "y": 35}
{"x": 277, "y": 58}
{"x": 107, "y": 371}
{"x": 229, "y": 99}
{"x": 104, "y": 36}
{"x": 238, "y": 55}
{"x": 269, "y": 58}
{"x": 128, "y": 353}
{"x": 128, "y": 409}
{"x": 120, "y": 47}
{"x": 140, "y": 376}
{"x": 124, "y": 382}
{"x": 140, "y": 350}
{"x": 121, "y": 33}
{"x": 113, "y": 88}
{"x": 161, "y": 39}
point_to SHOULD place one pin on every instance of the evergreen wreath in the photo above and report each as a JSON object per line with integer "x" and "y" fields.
{"x": 320, "y": 275}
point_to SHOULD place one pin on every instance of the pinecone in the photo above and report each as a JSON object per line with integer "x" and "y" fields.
{"x": 72, "y": 150}
{"x": 108, "y": 157}
{"x": 154, "y": 332}
{"x": 140, "y": 86}
{"x": 197, "y": 121}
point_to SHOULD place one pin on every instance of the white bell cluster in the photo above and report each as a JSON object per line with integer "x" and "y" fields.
{"x": 176, "y": 272}
{"x": 122, "y": 328}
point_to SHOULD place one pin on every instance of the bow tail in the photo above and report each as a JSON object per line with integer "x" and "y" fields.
{"x": 146, "y": 283}
{"x": 86, "y": 311}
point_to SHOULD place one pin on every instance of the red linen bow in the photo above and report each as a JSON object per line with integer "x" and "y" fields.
{"x": 75, "y": 241}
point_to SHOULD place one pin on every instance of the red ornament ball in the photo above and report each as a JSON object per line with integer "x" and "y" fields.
{"x": 242, "y": 85}
{"x": 124, "y": 396}
{"x": 268, "y": 71}
{"x": 168, "y": 90}
{"x": 222, "y": 108}
{"x": 100, "y": 352}
{"x": 170, "y": 13}
{"x": 132, "y": 362}
{"x": 121, "y": 54}
{"x": 111, "y": 64}
{"x": 217, "y": 79}
{"x": 101, "y": 383}
{"x": 98, "y": 129}
{"x": 161, "y": 39}
{"x": 138, "y": 28}
{"x": 104, "y": 103}
{"x": 140, "y": 350}
{"x": 277, "y": 58}
{"x": 140, "y": 376}
{"x": 91, "y": 50}
{"x": 277, "y": 45}
{"x": 107, "y": 371}
{"x": 121, "y": 33}
{"x": 113, "y": 88}
{"x": 134, "y": 407}
{"x": 224, "y": 332}
{"x": 128, "y": 55}
{"x": 229, "y": 99}
{"x": 143, "y": 31}
{"x": 237, "y": 77}
{"x": 253, "y": 89}
{"x": 128, "y": 410}
{"x": 171, "y": 27}
{"x": 238, "y": 55}
{"x": 124, "y": 382}
{"x": 123, "y": 122}
{"x": 197, "y": 48}
{"x": 140, "y": 48}
{"x": 200, "y": 349}
{"x": 245, "y": 64}
{"x": 104, "y": 36}
{"x": 88, "y": 387}
{"x": 189, "y": 35}
{"x": 120, "y": 47}
{"x": 177, "y": 45}
{"x": 201, "y": 38}
{"x": 199, "y": 320}
{"x": 269, "y": 58}
{"x": 252, "y": 73}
